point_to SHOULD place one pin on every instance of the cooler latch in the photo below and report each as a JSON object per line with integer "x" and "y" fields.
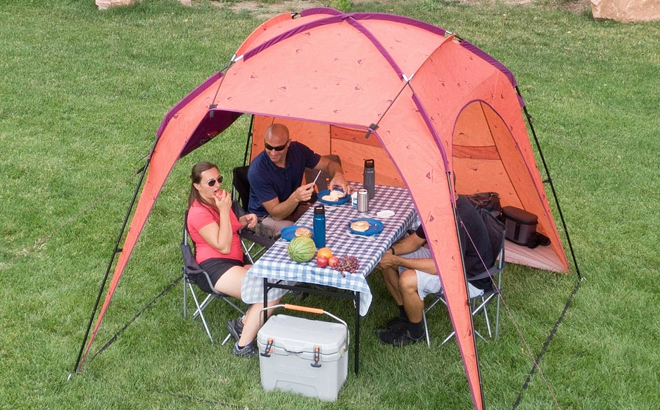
{"x": 317, "y": 357}
{"x": 269, "y": 348}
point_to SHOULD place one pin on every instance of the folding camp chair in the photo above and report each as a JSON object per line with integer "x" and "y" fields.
{"x": 253, "y": 245}
{"x": 323, "y": 178}
{"x": 194, "y": 275}
{"x": 478, "y": 303}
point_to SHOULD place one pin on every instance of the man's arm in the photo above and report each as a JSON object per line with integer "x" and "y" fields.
{"x": 336, "y": 173}
{"x": 424, "y": 264}
{"x": 280, "y": 210}
{"x": 408, "y": 244}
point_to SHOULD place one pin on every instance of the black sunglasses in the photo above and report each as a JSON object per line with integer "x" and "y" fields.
{"x": 271, "y": 148}
{"x": 212, "y": 182}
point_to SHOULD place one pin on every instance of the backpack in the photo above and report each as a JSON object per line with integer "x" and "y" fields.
{"x": 490, "y": 201}
{"x": 488, "y": 207}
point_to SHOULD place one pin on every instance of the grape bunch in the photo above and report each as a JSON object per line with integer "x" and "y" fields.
{"x": 347, "y": 264}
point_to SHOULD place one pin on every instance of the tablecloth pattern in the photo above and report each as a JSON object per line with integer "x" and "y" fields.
{"x": 276, "y": 265}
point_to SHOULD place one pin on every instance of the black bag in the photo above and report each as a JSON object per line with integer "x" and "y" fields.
{"x": 495, "y": 230}
{"x": 488, "y": 207}
{"x": 489, "y": 201}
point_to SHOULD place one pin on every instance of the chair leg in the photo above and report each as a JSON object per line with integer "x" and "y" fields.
{"x": 203, "y": 306}
{"x": 437, "y": 300}
{"x": 490, "y": 334}
{"x": 497, "y": 316}
{"x": 199, "y": 311}
{"x": 448, "y": 338}
{"x": 426, "y": 329}
{"x": 185, "y": 301}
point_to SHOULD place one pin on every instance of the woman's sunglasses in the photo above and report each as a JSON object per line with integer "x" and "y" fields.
{"x": 279, "y": 148}
{"x": 212, "y": 182}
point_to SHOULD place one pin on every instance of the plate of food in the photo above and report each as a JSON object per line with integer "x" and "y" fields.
{"x": 365, "y": 226}
{"x": 292, "y": 231}
{"x": 334, "y": 197}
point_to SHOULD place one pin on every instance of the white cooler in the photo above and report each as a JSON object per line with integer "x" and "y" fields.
{"x": 304, "y": 356}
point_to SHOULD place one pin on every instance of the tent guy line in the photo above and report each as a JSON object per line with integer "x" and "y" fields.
{"x": 546, "y": 344}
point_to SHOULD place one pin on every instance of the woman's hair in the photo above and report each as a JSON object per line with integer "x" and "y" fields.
{"x": 196, "y": 178}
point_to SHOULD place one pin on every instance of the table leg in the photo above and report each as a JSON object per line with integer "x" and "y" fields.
{"x": 357, "y": 332}
{"x": 265, "y": 301}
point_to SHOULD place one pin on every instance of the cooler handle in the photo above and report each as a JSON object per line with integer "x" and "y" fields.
{"x": 317, "y": 311}
{"x": 299, "y": 308}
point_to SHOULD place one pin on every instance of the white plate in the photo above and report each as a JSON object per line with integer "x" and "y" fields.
{"x": 384, "y": 214}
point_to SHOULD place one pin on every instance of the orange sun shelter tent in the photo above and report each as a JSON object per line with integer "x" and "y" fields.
{"x": 428, "y": 107}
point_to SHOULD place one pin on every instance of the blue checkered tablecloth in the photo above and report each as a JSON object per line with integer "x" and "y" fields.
{"x": 276, "y": 265}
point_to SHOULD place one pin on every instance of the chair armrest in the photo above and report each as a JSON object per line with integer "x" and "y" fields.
{"x": 253, "y": 237}
{"x": 487, "y": 274}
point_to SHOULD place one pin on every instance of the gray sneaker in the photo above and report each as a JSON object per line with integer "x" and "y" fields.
{"x": 248, "y": 351}
{"x": 235, "y": 327}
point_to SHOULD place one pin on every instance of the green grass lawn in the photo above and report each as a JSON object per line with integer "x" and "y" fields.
{"x": 82, "y": 93}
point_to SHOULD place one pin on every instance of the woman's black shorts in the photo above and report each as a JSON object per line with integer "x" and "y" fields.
{"x": 215, "y": 267}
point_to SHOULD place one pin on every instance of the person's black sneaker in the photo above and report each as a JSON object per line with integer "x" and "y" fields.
{"x": 235, "y": 327}
{"x": 247, "y": 351}
{"x": 395, "y": 323}
{"x": 398, "y": 337}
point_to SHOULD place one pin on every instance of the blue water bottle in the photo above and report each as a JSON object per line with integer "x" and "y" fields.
{"x": 319, "y": 226}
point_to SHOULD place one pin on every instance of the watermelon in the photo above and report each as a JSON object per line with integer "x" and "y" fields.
{"x": 301, "y": 249}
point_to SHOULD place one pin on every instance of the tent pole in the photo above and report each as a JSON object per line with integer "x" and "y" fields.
{"x": 552, "y": 186}
{"x": 249, "y": 139}
{"x": 115, "y": 251}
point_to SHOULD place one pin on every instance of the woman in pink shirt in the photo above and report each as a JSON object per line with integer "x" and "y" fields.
{"x": 214, "y": 227}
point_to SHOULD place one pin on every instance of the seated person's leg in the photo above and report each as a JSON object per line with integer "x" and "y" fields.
{"x": 271, "y": 227}
{"x": 413, "y": 330}
{"x": 230, "y": 283}
{"x": 412, "y": 302}
{"x": 391, "y": 279}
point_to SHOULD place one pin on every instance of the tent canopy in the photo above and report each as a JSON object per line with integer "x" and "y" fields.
{"x": 427, "y": 107}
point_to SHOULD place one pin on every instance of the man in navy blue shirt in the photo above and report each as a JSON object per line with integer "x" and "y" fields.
{"x": 277, "y": 195}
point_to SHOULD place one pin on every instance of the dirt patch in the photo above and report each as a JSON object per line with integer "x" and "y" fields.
{"x": 267, "y": 10}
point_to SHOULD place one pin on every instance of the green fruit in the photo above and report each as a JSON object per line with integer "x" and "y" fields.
{"x": 301, "y": 249}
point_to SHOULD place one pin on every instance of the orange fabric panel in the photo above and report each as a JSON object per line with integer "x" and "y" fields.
{"x": 315, "y": 135}
{"x": 352, "y": 161}
{"x": 347, "y": 86}
{"x": 347, "y": 143}
{"x": 471, "y": 121}
{"x": 355, "y": 136}
{"x": 268, "y": 28}
{"x": 462, "y": 151}
{"x": 419, "y": 162}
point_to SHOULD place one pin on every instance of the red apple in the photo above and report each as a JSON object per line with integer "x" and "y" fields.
{"x": 321, "y": 262}
{"x": 334, "y": 261}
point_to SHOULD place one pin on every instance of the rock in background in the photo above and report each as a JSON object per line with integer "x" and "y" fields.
{"x": 104, "y": 4}
{"x": 626, "y": 11}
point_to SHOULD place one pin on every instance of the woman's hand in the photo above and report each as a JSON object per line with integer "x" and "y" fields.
{"x": 249, "y": 220}
{"x": 223, "y": 200}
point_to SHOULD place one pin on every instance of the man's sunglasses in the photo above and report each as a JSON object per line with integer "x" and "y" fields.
{"x": 271, "y": 148}
{"x": 212, "y": 182}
